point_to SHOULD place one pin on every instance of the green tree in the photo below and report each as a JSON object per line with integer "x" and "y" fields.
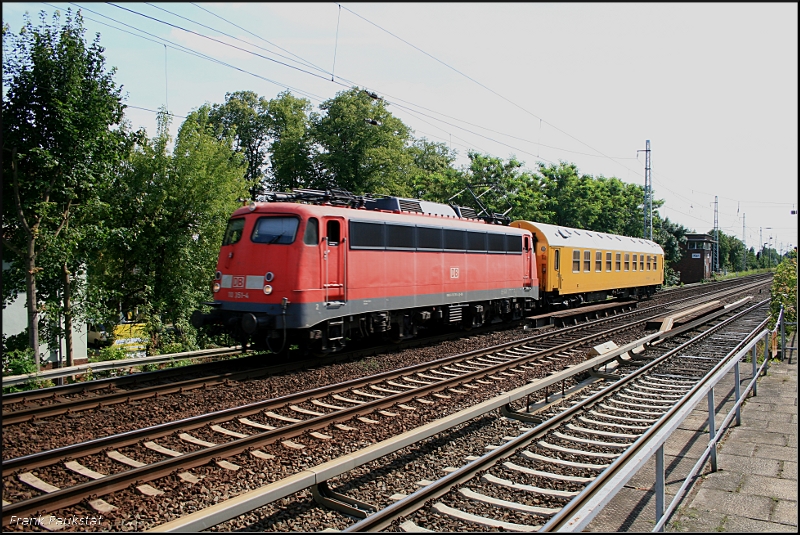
{"x": 361, "y": 146}
{"x": 167, "y": 213}
{"x": 290, "y": 157}
{"x": 244, "y": 122}
{"x": 59, "y": 107}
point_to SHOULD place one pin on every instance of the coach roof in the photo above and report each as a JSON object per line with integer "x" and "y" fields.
{"x": 558, "y": 236}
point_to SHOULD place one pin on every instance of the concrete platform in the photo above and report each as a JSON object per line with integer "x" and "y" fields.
{"x": 755, "y": 488}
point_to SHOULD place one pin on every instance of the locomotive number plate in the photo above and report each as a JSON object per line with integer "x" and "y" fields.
{"x": 239, "y": 295}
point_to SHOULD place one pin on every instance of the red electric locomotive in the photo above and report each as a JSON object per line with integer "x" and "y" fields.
{"x": 315, "y": 270}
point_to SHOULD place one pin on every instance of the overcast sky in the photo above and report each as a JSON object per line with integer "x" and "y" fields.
{"x": 714, "y": 87}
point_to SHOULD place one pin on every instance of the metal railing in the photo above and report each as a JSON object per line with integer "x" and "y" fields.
{"x": 715, "y": 435}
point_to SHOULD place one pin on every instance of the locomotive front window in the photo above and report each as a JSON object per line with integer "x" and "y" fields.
{"x": 275, "y": 230}
{"x": 233, "y": 232}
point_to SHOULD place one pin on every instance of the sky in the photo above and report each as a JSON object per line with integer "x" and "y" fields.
{"x": 713, "y": 87}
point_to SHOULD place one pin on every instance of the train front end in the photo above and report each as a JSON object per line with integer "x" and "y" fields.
{"x": 260, "y": 272}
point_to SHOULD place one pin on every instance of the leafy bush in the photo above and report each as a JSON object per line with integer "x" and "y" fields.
{"x": 19, "y": 362}
{"x": 784, "y": 292}
{"x": 110, "y": 353}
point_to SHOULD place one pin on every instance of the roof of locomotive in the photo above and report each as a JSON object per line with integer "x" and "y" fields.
{"x": 558, "y": 236}
{"x": 436, "y": 214}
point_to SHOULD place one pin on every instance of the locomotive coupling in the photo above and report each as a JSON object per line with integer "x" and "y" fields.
{"x": 251, "y": 323}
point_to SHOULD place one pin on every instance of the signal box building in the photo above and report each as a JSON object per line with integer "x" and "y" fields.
{"x": 696, "y": 256}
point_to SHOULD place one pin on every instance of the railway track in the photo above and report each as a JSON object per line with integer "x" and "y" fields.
{"x": 534, "y": 481}
{"x": 73, "y": 398}
{"x": 360, "y": 403}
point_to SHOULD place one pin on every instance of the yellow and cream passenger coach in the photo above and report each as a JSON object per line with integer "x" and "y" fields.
{"x": 576, "y": 266}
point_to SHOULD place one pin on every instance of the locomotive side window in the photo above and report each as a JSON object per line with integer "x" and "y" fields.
{"x": 365, "y": 235}
{"x": 514, "y": 244}
{"x": 311, "y": 235}
{"x": 476, "y": 242}
{"x": 608, "y": 261}
{"x": 454, "y": 240}
{"x": 618, "y": 262}
{"x": 400, "y": 237}
{"x": 270, "y": 230}
{"x": 576, "y": 261}
{"x": 598, "y": 261}
{"x": 233, "y": 232}
{"x": 497, "y": 243}
{"x": 587, "y": 260}
{"x": 429, "y": 238}
{"x": 334, "y": 232}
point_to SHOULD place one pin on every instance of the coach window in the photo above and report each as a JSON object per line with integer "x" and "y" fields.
{"x": 641, "y": 262}
{"x": 598, "y": 261}
{"x": 557, "y": 261}
{"x": 608, "y": 261}
{"x": 627, "y": 262}
{"x": 275, "y": 230}
{"x": 635, "y": 261}
{"x": 648, "y": 262}
{"x": 576, "y": 261}
{"x": 311, "y": 235}
{"x": 619, "y": 262}
{"x": 587, "y": 260}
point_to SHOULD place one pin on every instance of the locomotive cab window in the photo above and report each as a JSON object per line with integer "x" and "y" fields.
{"x": 233, "y": 232}
{"x": 311, "y": 235}
{"x": 275, "y": 230}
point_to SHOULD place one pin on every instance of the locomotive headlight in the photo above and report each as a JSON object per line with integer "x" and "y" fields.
{"x": 216, "y": 287}
{"x": 267, "y": 289}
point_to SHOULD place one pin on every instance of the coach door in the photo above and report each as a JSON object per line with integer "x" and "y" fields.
{"x": 334, "y": 255}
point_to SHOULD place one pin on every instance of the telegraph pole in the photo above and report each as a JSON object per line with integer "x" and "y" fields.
{"x": 716, "y": 233}
{"x": 744, "y": 245}
{"x": 647, "y": 231}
